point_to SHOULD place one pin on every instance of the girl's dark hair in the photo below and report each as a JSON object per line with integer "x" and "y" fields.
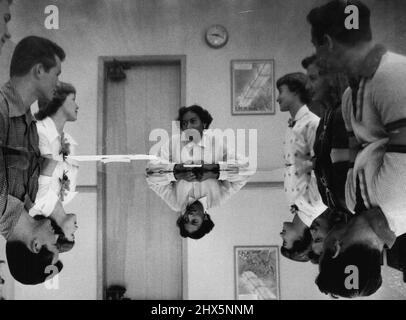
{"x": 203, "y": 114}
{"x": 337, "y": 81}
{"x": 49, "y": 108}
{"x": 63, "y": 244}
{"x": 205, "y": 228}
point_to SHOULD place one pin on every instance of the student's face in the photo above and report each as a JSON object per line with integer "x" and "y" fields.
{"x": 193, "y": 217}
{"x": 285, "y": 98}
{"x": 191, "y": 121}
{"x": 319, "y": 230}
{"x": 356, "y": 231}
{"x": 69, "y": 226}
{"x": 49, "y": 80}
{"x": 44, "y": 235}
{"x": 70, "y": 107}
{"x": 289, "y": 235}
{"x": 330, "y": 53}
{"x": 5, "y": 17}
{"x": 316, "y": 84}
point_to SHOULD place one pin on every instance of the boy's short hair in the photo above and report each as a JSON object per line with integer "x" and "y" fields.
{"x": 332, "y": 277}
{"x": 205, "y": 228}
{"x": 296, "y": 82}
{"x": 300, "y": 248}
{"x": 329, "y": 19}
{"x": 31, "y": 51}
{"x": 30, "y": 268}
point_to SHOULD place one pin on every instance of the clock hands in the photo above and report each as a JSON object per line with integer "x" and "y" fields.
{"x": 217, "y": 35}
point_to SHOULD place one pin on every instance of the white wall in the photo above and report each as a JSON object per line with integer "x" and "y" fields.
{"x": 259, "y": 29}
{"x": 78, "y": 277}
{"x": 243, "y": 221}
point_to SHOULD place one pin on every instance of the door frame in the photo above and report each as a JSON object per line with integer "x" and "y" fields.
{"x": 103, "y": 61}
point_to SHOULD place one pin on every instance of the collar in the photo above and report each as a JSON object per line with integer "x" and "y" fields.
{"x": 50, "y": 127}
{"x": 379, "y": 224}
{"x": 53, "y": 133}
{"x": 301, "y": 112}
{"x": 370, "y": 63}
{"x": 202, "y": 200}
{"x": 17, "y": 107}
{"x": 299, "y": 115}
{"x": 70, "y": 140}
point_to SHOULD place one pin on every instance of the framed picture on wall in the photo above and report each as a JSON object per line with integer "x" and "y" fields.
{"x": 252, "y": 87}
{"x": 256, "y": 270}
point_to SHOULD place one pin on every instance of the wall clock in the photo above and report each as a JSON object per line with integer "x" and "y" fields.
{"x": 216, "y": 36}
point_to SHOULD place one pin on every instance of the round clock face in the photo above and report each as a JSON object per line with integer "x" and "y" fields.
{"x": 216, "y": 36}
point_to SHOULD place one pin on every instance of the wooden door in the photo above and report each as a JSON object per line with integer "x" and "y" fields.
{"x": 142, "y": 248}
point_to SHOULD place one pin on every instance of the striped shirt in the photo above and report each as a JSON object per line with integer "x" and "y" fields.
{"x": 378, "y": 108}
{"x": 19, "y": 159}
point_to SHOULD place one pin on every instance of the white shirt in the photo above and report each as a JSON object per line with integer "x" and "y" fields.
{"x": 299, "y": 180}
{"x": 179, "y": 193}
{"x": 49, "y": 187}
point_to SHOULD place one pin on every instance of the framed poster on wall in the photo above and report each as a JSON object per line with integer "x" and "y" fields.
{"x": 256, "y": 271}
{"x": 252, "y": 87}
